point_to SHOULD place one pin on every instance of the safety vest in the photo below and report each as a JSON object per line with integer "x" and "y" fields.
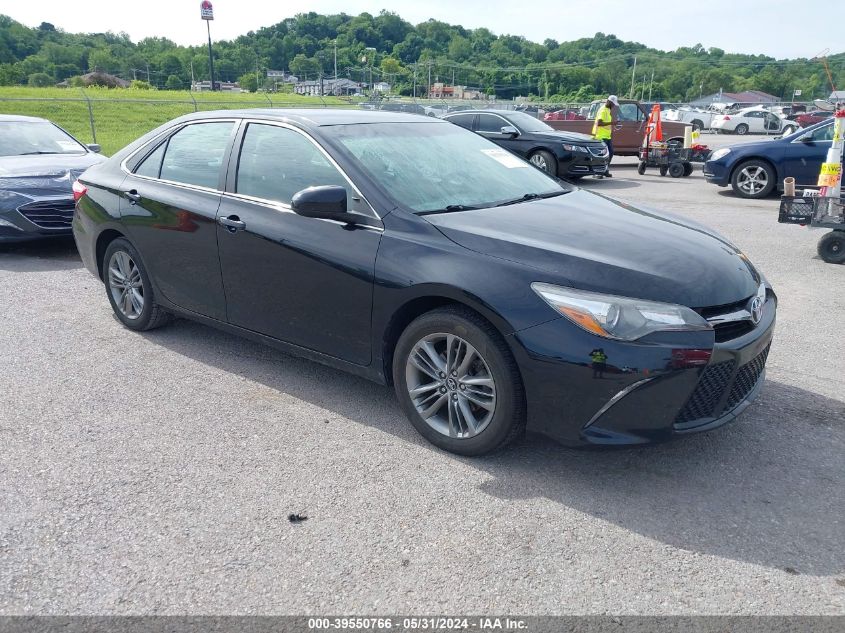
{"x": 604, "y": 131}
{"x": 598, "y": 357}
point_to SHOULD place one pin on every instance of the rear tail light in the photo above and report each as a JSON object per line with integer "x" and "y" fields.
{"x": 726, "y": 118}
{"x": 79, "y": 190}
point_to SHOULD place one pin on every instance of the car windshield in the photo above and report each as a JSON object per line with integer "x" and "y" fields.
{"x": 20, "y": 138}
{"x": 528, "y": 123}
{"x": 429, "y": 167}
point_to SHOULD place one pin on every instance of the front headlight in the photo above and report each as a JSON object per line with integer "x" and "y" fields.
{"x": 720, "y": 153}
{"x": 574, "y": 148}
{"x": 619, "y": 318}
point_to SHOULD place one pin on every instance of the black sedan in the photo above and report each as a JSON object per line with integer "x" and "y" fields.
{"x": 566, "y": 155}
{"x": 38, "y": 163}
{"x": 414, "y": 253}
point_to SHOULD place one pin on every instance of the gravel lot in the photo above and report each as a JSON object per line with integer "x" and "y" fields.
{"x": 155, "y": 473}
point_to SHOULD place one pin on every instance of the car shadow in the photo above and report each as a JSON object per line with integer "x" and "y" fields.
{"x": 609, "y": 184}
{"x": 40, "y": 256}
{"x": 767, "y": 490}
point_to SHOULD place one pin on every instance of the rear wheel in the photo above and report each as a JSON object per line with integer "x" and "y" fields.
{"x": 664, "y": 169}
{"x": 676, "y": 170}
{"x": 687, "y": 169}
{"x": 697, "y": 125}
{"x": 753, "y": 179}
{"x": 832, "y": 247}
{"x": 741, "y": 129}
{"x": 129, "y": 289}
{"x": 542, "y": 159}
{"x": 641, "y": 167}
{"x": 458, "y": 383}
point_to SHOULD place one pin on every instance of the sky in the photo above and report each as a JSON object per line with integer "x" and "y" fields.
{"x": 770, "y": 27}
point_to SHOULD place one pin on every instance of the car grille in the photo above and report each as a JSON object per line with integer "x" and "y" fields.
{"x": 49, "y": 214}
{"x": 716, "y": 381}
{"x": 731, "y": 330}
{"x": 597, "y": 150}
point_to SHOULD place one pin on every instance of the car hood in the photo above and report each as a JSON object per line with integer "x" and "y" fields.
{"x": 563, "y": 136}
{"x": 590, "y": 242}
{"x": 44, "y": 175}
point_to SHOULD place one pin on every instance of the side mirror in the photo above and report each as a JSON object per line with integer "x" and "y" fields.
{"x": 327, "y": 202}
{"x": 509, "y": 130}
{"x": 807, "y": 138}
{"x": 94, "y": 147}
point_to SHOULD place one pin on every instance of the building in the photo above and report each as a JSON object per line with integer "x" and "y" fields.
{"x": 328, "y": 87}
{"x": 223, "y": 86}
{"x": 382, "y": 86}
{"x": 281, "y": 77}
{"x": 440, "y": 90}
{"x": 750, "y": 97}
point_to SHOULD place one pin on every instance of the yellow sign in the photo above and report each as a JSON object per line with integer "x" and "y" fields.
{"x": 828, "y": 180}
{"x": 831, "y": 169}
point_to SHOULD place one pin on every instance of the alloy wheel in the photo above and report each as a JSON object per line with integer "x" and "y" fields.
{"x": 450, "y": 385}
{"x": 539, "y": 161}
{"x": 752, "y": 179}
{"x": 126, "y": 285}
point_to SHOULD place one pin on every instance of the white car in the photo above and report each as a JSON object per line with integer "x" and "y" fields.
{"x": 699, "y": 119}
{"x": 754, "y": 120}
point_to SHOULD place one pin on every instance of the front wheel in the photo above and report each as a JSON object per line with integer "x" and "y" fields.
{"x": 641, "y": 167}
{"x": 129, "y": 289}
{"x": 542, "y": 159}
{"x": 832, "y": 247}
{"x": 676, "y": 170}
{"x": 753, "y": 179}
{"x": 458, "y": 383}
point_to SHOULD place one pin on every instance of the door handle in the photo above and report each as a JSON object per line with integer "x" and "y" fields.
{"x": 233, "y": 223}
{"x": 133, "y": 195}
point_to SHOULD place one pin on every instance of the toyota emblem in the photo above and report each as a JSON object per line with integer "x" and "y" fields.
{"x": 756, "y": 310}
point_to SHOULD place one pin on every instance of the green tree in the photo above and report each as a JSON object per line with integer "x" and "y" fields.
{"x": 174, "y": 83}
{"x": 40, "y": 80}
{"x": 249, "y": 82}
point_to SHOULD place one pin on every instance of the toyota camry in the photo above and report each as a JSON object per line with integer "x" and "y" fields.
{"x": 413, "y": 252}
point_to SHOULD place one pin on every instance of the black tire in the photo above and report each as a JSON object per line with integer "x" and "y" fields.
{"x": 152, "y": 315}
{"x": 676, "y": 170}
{"x": 544, "y": 161}
{"x": 741, "y": 175}
{"x": 641, "y": 167}
{"x": 664, "y": 169}
{"x": 508, "y": 419}
{"x": 741, "y": 129}
{"x": 688, "y": 168}
{"x": 832, "y": 247}
{"x": 697, "y": 125}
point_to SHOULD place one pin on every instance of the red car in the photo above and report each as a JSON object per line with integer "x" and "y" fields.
{"x": 564, "y": 115}
{"x": 811, "y": 118}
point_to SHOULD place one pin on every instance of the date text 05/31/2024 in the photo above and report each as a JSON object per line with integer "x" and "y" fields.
{"x": 418, "y": 623}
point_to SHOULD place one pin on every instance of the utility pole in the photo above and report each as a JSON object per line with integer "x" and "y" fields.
{"x": 415, "y": 81}
{"x": 148, "y": 72}
{"x": 428, "y": 93}
{"x": 651, "y": 85}
{"x": 335, "y": 60}
{"x": 207, "y": 14}
{"x": 633, "y": 74}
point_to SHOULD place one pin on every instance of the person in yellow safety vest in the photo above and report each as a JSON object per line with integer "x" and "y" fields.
{"x": 603, "y": 127}
{"x": 599, "y": 360}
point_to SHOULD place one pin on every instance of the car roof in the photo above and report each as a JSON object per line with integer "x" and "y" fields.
{"x": 315, "y": 117}
{"x": 19, "y": 118}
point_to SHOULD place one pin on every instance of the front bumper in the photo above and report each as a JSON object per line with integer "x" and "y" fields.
{"x": 38, "y": 219}
{"x": 579, "y": 164}
{"x": 642, "y": 394}
{"x": 717, "y": 172}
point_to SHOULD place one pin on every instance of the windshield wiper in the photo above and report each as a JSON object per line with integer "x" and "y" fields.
{"x": 532, "y": 196}
{"x": 451, "y": 208}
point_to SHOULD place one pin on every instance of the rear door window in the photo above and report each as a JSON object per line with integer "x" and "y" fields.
{"x": 151, "y": 165}
{"x": 464, "y": 120}
{"x": 194, "y": 155}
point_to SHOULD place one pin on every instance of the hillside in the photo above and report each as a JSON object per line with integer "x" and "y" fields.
{"x": 507, "y": 65}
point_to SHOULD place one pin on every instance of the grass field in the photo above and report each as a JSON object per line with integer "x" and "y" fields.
{"x": 121, "y": 116}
